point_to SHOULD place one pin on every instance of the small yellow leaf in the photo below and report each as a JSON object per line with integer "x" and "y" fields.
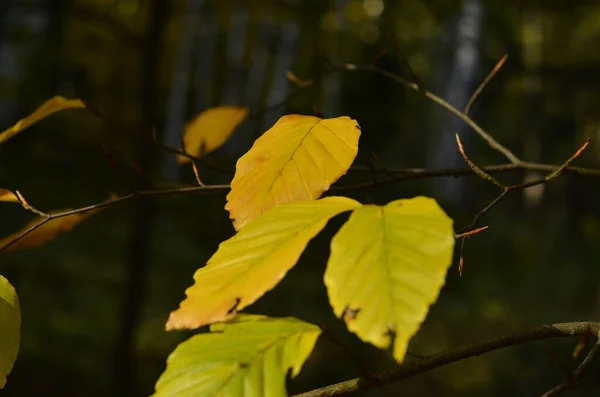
{"x": 254, "y": 260}
{"x": 297, "y": 159}
{"x": 10, "y": 328}
{"x": 7, "y": 195}
{"x": 210, "y": 129}
{"x": 48, "y": 108}
{"x": 387, "y": 266}
{"x": 47, "y": 232}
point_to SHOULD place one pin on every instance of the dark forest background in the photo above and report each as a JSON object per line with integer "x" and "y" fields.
{"x": 95, "y": 301}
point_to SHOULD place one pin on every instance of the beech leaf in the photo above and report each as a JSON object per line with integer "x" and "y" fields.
{"x": 48, "y": 108}
{"x": 387, "y": 266}
{"x": 7, "y": 195}
{"x": 254, "y": 260}
{"x": 297, "y": 159}
{"x": 247, "y": 357}
{"x": 210, "y": 129}
{"x": 10, "y": 328}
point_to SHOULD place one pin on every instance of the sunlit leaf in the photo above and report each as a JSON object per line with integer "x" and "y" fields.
{"x": 45, "y": 233}
{"x": 10, "y": 328}
{"x": 7, "y": 195}
{"x": 297, "y": 159}
{"x": 254, "y": 260}
{"x": 248, "y": 357}
{"x": 48, "y": 108}
{"x": 387, "y": 266}
{"x": 210, "y": 129}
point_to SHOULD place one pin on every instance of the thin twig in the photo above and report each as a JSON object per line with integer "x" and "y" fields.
{"x": 493, "y": 143}
{"x": 409, "y": 369}
{"x": 474, "y": 167}
{"x": 573, "y": 380}
{"x": 484, "y": 83}
{"x": 120, "y": 200}
{"x": 29, "y": 207}
{"x": 507, "y": 189}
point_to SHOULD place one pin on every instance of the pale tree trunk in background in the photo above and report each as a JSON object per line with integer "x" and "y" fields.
{"x": 532, "y": 90}
{"x": 457, "y": 85}
{"x": 177, "y": 105}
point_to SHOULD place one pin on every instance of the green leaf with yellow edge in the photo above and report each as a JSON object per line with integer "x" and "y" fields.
{"x": 8, "y": 196}
{"x": 254, "y": 260}
{"x": 48, "y": 108}
{"x": 10, "y": 328}
{"x": 247, "y": 357}
{"x": 297, "y": 159}
{"x": 210, "y": 129}
{"x": 387, "y": 266}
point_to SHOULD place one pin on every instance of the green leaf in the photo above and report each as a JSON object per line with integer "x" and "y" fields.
{"x": 10, "y": 328}
{"x": 387, "y": 266}
{"x": 254, "y": 261}
{"x": 248, "y": 357}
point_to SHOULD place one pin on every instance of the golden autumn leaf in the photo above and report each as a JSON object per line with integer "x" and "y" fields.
{"x": 10, "y": 328}
{"x": 7, "y": 195}
{"x": 210, "y": 129}
{"x": 48, "y": 108}
{"x": 254, "y": 260}
{"x": 387, "y": 266}
{"x": 297, "y": 159}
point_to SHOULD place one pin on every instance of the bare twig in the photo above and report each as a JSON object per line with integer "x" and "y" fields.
{"x": 484, "y": 83}
{"x": 573, "y": 380}
{"x": 475, "y": 168}
{"x": 428, "y": 363}
{"x": 491, "y": 141}
{"x": 120, "y": 200}
{"x": 507, "y": 189}
{"x": 29, "y": 207}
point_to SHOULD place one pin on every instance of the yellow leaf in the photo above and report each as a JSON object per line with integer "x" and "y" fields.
{"x": 387, "y": 266}
{"x": 254, "y": 260}
{"x": 10, "y": 328}
{"x": 45, "y": 233}
{"x": 210, "y": 129}
{"x": 297, "y": 159}
{"x": 7, "y": 195}
{"x": 48, "y": 108}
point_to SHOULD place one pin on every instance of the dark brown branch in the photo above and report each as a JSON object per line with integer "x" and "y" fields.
{"x": 446, "y": 357}
{"x": 572, "y": 382}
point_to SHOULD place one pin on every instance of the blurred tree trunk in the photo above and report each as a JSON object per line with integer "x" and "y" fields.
{"x": 177, "y": 105}
{"x": 532, "y": 92}
{"x": 144, "y": 214}
{"x": 458, "y": 81}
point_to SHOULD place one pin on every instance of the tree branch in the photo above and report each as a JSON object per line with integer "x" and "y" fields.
{"x": 144, "y": 193}
{"x": 572, "y": 382}
{"x": 443, "y": 358}
{"x": 491, "y": 141}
